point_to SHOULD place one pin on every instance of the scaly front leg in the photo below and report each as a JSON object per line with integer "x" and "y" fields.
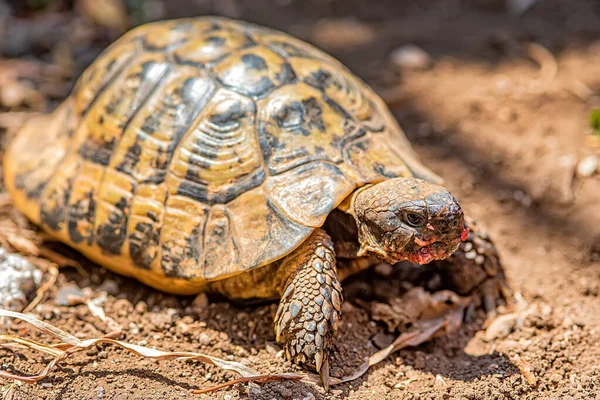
{"x": 311, "y": 303}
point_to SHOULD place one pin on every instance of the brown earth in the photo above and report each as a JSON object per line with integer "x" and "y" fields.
{"x": 491, "y": 115}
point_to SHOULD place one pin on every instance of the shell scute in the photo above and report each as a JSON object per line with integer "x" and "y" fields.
{"x": 150, "y": 139}
{"x": 338, "y": 84}
{"x": 212, "y": 46}
{"x": 308, "y": 193}
{"x": 112, "y": 210}
{"x": 145, "y": 223}
{"x": 182, "y": 237}
{"x": 102, "y": 128}
{"x": 219, "y": 158}
{"x": 298, "y": 124}
{"x": 110, "y": 64}
{"x": 254, "y": 72}
{"x": 81, "y": 205}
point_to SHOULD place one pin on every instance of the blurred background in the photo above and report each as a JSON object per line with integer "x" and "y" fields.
{"x": 500, "y": 97}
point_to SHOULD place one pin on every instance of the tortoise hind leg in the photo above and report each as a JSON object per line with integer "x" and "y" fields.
{"x": 475, "y": 268}
{"x": 310, "y": 306}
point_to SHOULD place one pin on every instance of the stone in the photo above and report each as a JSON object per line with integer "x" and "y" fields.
{"x": 19, "y": 279}
{"x": 587, "y": 167}
{"x": 410, "y": 56}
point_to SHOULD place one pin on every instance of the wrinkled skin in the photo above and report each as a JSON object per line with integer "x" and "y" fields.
{"x": 408, "y": 219}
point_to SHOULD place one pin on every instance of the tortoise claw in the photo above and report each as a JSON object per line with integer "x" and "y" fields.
{"x": 325, "y": 373}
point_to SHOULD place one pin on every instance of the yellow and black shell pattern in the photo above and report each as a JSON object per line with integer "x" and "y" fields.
{"x": 193, "y": 150}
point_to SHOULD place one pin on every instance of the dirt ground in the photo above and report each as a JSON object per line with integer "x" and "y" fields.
{"x": 502, "y": 113}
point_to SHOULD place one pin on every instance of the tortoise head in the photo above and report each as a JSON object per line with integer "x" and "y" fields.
{"x": 408, "y": 219}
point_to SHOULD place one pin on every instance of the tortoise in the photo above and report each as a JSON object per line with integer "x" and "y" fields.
{"x": 209, "y": 154}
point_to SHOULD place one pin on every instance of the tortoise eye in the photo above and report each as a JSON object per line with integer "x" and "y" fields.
{"x": 414, "y": 220}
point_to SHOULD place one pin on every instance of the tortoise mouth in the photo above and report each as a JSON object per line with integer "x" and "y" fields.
{"x": 432, "y": 252}
{"x": 424, "y": 254}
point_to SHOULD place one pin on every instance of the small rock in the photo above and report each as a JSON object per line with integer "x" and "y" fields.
{"x": 141, "y": 307}
{"x": 309, "y": 396}
{"x": 172, "y": 312}
{"x": 384, "y": 269}
{"x": 110, "y": 287}
{"x": 519, "y": 7}
{"x": 420, "y": 360}
{"x": 47, "y": 311}
{"x": 546, "y": 310}
{"x": 204, "y": 339}
{"x": 523, "y": 198}
{"x": 383, "y": 340}
{"x": 501, "y": 327}
{"x": 587, "y": 166}
{"x": 160, "y": 321}
{"x": 272, "y": 348}
{"x": 67, "y": 291}
{"x": 410, "y": 56}
{"x": 556, "y": 378}
{"x": 46, "y": 385}
{"x": 200, "y": 302}
{"x": 255, "y": 390}
{"x": 439, "y": 382}
{"x": 122, "y": 307}
{"x": 133, "y": 328}
{"x": 18, "y": 279}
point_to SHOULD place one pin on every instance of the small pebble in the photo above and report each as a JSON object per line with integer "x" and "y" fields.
{"x": 18, "y": 280}
{"x": 255, "y": 390}
{"x": 200, "y": 302}
{"x": 384, "y": 269}
{"x": 272, "y": 348}
{"x": 204, "y": 339}
{"x": 439, "y": 382}
{"x": 141, "y": 307}
{"x": 523, "y": 198}
{"x": 110, "y": 287}
{"x": 309, "y": 396}
{"x": 410, "y": 56}
{"x": 133, "y": 328}
{"x": 587, "y": 166}
{"x": 471, "y": 255}
{"x": 519, "y": 7}
{"x": 383, "y": 340}
{"x": 500, "y": 327}
{"x": 66, "y": 291}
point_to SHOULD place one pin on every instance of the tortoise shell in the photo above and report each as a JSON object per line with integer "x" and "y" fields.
{"x": 193, "y": 150}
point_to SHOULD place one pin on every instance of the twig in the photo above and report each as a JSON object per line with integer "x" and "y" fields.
{"x": 63, "y": 261}
{"x": 525, "y": 369}
{"x": 546, "y": 60}
{"x": 39, "y": 295}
